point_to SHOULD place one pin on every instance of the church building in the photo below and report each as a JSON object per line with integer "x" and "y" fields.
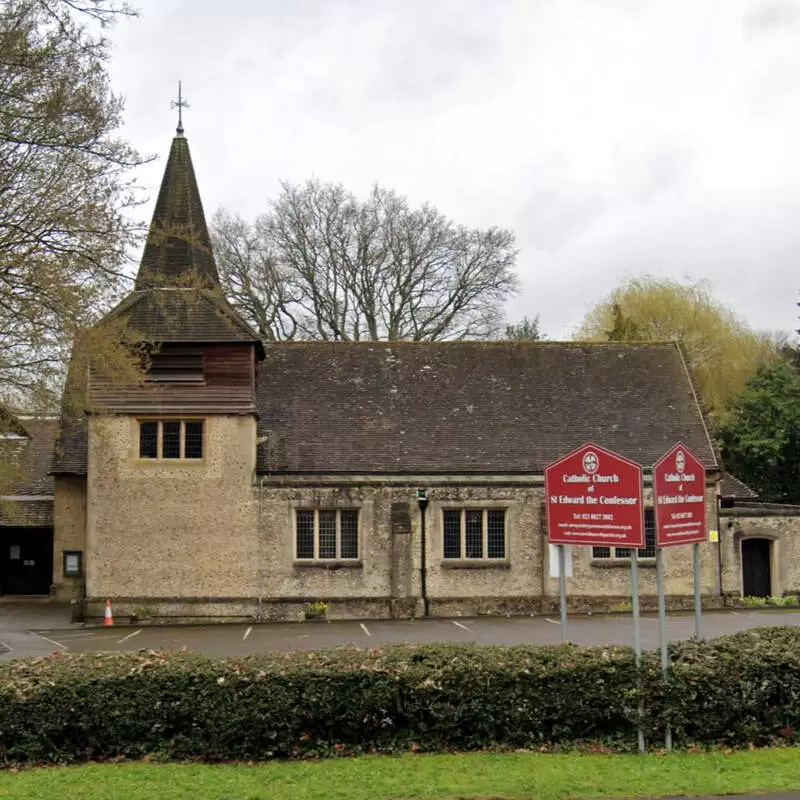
{"x": 262, "y": 481}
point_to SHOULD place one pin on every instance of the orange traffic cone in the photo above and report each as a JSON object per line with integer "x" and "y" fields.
{"x": 109, "y": 620}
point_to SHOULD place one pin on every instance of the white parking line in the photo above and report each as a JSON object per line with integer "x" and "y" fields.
{"x": 51, "y": 641}
{"x": 79, "y": 636}
{"x": 365, "y": 629}
{"x": 130, "y": 636}
{"x": 554, "y": 621}
{"x": 458, "y": 624}
{"x": 8, "y": 647}
{"x": 246, "y": 633}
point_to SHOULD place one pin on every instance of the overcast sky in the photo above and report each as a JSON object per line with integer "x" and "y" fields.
{"x": 614, "y": 137}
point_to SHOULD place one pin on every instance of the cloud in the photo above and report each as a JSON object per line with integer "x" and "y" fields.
{"x": 768, "y": 17}
{"x": 615, "y": 138}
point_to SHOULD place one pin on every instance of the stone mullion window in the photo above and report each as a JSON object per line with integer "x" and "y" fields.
{"x": 327, "y": 537}
{"x": 326, "y": 534}
{"x": 474, "y": 534}
{"x": 495, "y": 533}
{"x": 171, "y": 440}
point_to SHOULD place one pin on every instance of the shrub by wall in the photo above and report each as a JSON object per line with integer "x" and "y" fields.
{"x": 735, "y": 690}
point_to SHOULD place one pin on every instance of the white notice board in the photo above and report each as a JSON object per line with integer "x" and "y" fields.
{"x": 553, "y": 555}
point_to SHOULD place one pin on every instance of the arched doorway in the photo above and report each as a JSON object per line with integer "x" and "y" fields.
{"x": 756, "y": 568}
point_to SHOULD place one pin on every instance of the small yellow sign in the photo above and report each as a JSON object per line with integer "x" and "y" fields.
{"x": 713, "y": 536}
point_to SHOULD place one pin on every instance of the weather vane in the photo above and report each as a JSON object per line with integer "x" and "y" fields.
{"x": 180, "y": 104}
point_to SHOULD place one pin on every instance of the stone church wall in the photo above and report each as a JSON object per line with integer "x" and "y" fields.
{"x": 69, "y": 530}
{"x": 781, "y": 527}
{"x": 595, "y": 581}
{"x": 213, "y": 540}
{"x": 170, "y": 532}
{"x": 211, "y": 543}
{"x": 528, "y": 583}
{"x": 362, "y": 588}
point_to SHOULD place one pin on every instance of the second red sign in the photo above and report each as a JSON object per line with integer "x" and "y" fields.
{"x": 679, "y": 482}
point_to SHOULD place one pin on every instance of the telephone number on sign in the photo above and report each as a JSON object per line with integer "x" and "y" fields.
{"x": 594, "y": 517}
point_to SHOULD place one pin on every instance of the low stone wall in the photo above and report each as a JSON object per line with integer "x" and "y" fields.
{"x": 237, "y": 610}
{"x": 234, "y": 609}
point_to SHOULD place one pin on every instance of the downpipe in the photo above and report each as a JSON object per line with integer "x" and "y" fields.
{"x": 422, "y": 502}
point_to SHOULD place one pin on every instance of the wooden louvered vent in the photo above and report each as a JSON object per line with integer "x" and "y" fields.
{"x": 184, "y": 365}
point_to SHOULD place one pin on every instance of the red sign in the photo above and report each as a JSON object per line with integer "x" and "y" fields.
{"x": 679, "y": 486}
{"x": 594, "y": 497}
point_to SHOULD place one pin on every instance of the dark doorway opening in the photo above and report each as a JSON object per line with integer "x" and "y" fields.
{"x": 26, "y": 560}
{"x": 756, "y": 571}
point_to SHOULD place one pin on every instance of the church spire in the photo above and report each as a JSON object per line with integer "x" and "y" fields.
{"x": 178, "y": 248}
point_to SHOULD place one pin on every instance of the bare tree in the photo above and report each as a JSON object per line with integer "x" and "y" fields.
{"x": 64, "y": 185}
{"x": 323, "y": 265}
{"x": 526, "y": 330}
{"x": 254, "y": 281}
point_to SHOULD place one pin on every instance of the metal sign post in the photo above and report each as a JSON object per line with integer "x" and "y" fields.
{"x": 594, "y": 497}
{"x": 698, "y": 600}
{"x": 562, "y": 590}
{"x": 679, "y": 485}
{"x": 662, "y": 625}
{"x": 637, "y": 639}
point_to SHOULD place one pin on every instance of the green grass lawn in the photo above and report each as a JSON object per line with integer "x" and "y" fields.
{"x": 506, "y": 777}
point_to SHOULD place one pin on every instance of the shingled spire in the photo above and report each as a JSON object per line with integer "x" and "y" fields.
{"x": 178, "y": 249}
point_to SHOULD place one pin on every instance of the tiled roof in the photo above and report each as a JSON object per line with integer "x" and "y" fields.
{"x": 71, "y": 445}
{"x": 178, "y": 296}
{"x": 470, "y": 407}
{"x": 183, "y": 315}
{"x": 466, "y": 407}
{"x": 27, "y": 513}
{"x": 26, "y": 449}
{"x": 43, "y": 436}
{"x": 70, "y": 450}
{"x": 178, "y": 246}
{"x": 756, "y": 509}
{"x": 31, "y": 456}
{"x": 734, "y": 488}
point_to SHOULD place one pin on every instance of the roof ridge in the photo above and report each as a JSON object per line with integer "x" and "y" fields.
{"x": 230, "y": 309}
{"x": 474, "y": 343}
{"x": 697, "y": 403}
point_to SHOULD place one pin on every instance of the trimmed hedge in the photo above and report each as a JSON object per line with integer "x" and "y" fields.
{"x": 735, "y": 690}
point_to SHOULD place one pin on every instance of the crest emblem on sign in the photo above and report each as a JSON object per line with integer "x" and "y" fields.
{"x": 680, "y": 461}
{"x": 591, "y": 462}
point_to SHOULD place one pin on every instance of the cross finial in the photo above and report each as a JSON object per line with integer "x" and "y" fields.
{"x": 180, "y": 104}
